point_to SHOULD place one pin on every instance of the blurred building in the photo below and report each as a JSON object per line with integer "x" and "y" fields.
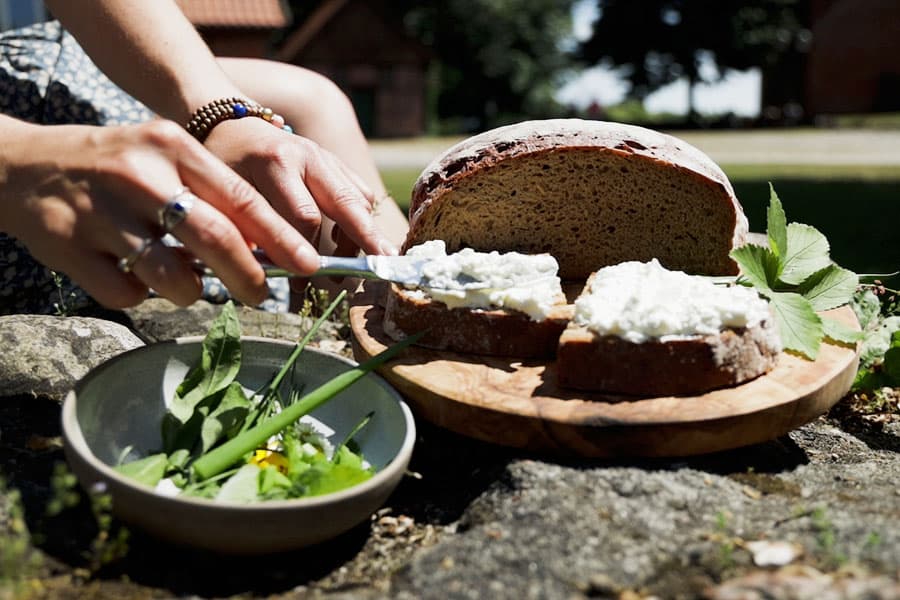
{"x": 361, "y": 47}
{"x": 854, "y": 59}
{"x": 355, "y": 43}
{"x": 237, "y": 27}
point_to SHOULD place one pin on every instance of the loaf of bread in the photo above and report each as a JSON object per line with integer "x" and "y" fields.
{"x": 590, "y": 193}
{"x": 640, "y": 329}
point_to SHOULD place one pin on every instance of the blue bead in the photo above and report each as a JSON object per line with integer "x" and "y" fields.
{"x": 288, "y": 128}
{"x": 239, "y": 110}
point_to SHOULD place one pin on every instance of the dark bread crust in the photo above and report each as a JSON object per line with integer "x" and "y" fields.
{"x": 589, "y": 192}
{"x": 588, "y": 361}
{"x": 487, "y": 332}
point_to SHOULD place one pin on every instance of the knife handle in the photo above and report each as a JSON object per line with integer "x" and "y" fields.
{"x": 345, "y": 266}
{"x": 337, "y": 266}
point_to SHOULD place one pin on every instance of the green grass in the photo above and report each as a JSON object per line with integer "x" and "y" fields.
{"x": 399, "y": 184}
{"x": 857, "y": 207}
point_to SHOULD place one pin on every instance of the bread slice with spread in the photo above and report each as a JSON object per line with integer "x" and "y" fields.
{"x": 500, "y": 304}
{"x": 641, "y": 329}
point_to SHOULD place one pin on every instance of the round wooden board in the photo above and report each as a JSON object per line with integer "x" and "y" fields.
{"x": 518, "y": 403}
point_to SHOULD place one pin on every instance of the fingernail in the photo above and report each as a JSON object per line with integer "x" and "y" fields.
{"x": 307, "y": 258}
{"x": 388, "y": 249}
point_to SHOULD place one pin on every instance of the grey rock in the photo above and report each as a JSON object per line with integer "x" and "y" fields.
{"x": 158, "y": 319}
{"x": 550, "y": 530}
{"x": 46, "y": 355}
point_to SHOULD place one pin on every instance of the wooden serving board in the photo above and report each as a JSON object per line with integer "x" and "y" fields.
{"x": 518, "y": 403}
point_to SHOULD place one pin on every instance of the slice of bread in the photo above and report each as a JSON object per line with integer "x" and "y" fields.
{"x": 590, "y": 193}
{"x": 492, "y": 332}
{"x": 642, "y": 330}
{"x": 609, "y": 363}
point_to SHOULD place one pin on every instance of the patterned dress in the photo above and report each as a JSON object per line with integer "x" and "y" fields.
{"x": 45, "y": 77}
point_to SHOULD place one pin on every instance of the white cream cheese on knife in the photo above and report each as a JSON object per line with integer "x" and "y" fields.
{"x": 525, "y": 282}
{"x": 642, "y": 301}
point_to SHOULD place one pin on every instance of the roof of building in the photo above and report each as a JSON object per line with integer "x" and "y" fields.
{"x": 236, "y": 13}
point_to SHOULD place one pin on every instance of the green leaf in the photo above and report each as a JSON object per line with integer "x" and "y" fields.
{"x": 759, "y": 266}
{"x": 776, "y": 225}
{"x": 178, "y": 460}
{"x": 877, "y": 341}
{"x": 807, "y": 252}
{"x": 830, "y": 287}
{"x": 242, "y": 487}
{"x": 271, "y": 479}
{"x": 869, "y": 379}
{"x": 220, "y": 362}
{"x": 800, "y": 327}
{"x": 837, "y": 331}
{"x": 867, "y": 307}
{"x": 351, "y": 434}
{"x": 148, "y": 470}
{"x": 325, "y": 477}
{"x": 227, "y": 418}
{"x": 891, "y": 365}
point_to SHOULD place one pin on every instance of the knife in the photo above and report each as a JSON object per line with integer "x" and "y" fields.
{"x": 404, "y": 270}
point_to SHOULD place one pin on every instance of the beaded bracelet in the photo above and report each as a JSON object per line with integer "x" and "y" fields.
{"x": 209, "y": 115}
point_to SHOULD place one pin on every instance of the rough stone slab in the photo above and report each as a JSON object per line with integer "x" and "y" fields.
{"x": 158, "y": 319}
{"x": 46, "y": 355}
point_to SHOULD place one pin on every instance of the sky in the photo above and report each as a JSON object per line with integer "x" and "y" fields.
{"x": 739, "y": 92}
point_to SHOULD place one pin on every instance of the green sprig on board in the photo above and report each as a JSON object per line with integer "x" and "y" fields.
{"x": 797, "y": 276}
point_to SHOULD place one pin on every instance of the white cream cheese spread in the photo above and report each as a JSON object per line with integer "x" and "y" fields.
{"x": 525, "y": 282}
{"x": 642, "y": 301}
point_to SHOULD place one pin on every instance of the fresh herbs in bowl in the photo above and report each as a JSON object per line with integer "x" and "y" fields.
{"x": 225, "y": 442}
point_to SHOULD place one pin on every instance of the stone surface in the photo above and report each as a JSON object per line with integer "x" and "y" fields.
{"x": 45, "y": 356}
{"x": 158, "y": 319}
{"x": 473, "y": 520}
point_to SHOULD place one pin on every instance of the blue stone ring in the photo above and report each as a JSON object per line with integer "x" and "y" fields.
{"x": 176, "y": 209}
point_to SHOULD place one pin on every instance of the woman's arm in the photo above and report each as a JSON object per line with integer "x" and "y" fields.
{"x": 150, "y": 50}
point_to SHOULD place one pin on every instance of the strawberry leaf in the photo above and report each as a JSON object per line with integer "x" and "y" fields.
{"x": 776, "y": 225}
{"x": 800, "y": 327}
{"x": 807, "y": 252}
{"x": 838, "y": 332}
{"x": 759, "y": 266}
{"x": 830, "y": 287}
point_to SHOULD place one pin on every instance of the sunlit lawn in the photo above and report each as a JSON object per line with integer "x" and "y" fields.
{"x": 856, "y": 206}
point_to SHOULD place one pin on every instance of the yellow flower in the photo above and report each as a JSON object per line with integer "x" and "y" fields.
{"x": 270, "y": 458}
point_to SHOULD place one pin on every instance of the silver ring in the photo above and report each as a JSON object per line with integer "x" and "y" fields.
{"x": 126, "y": 264}
{"x": 176, "y": 209}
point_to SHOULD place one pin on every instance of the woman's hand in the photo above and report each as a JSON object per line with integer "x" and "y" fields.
{"x": 81, "y": 198}
{"x": 303, "y": 181}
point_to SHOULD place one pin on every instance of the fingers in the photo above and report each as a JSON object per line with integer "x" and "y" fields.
{"x": 252, "y": 216}
{"x": 342, "y": 199}
{"x": 307, "y": 184}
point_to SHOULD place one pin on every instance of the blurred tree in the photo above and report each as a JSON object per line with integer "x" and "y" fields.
{"x": 496, "y": 61}
{"x": 652, "y": 43}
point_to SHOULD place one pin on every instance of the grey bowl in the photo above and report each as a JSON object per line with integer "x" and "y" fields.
{"x": 121, "y": 403}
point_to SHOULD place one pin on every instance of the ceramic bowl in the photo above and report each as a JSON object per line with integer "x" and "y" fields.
{"x": 121, "y": 402}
